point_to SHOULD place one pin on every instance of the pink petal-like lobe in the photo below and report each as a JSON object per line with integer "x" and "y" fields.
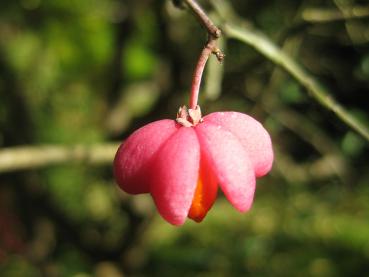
{"x": 229, "y": 162}
{"x": 174, "y": 174}
{"x": 134, "y": 156}
{"x": 252, "y": 135}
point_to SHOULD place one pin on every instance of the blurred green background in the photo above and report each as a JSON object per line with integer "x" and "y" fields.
{"x": 92, "y": 71}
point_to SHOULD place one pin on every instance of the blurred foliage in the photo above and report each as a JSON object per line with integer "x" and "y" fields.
{"x": 93, "y": 71}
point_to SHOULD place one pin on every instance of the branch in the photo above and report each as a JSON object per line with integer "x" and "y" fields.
{"x": 210, "y": 48}
{"x": 213, "y": 30}
{"x": 31, "y": 157}
{"x": 262, "y": 44}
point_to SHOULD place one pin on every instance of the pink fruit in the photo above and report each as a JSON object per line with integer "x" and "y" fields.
{"x": 182, "y": 163}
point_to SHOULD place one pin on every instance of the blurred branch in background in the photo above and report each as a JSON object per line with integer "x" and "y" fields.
{"x": 321, "y": 169}
{"x": 356, "y": 30}
{"x": 331, "y": 162}
{"x": 266, "y": 47}
{"x": 31, "y": 157}
{"x": 319, "y": 15}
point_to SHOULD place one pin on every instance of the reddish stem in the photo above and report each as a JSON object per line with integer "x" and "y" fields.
{"x": 197, "y": 75}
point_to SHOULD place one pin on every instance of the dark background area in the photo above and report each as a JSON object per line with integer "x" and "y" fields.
{"x": 91, "y": 72}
